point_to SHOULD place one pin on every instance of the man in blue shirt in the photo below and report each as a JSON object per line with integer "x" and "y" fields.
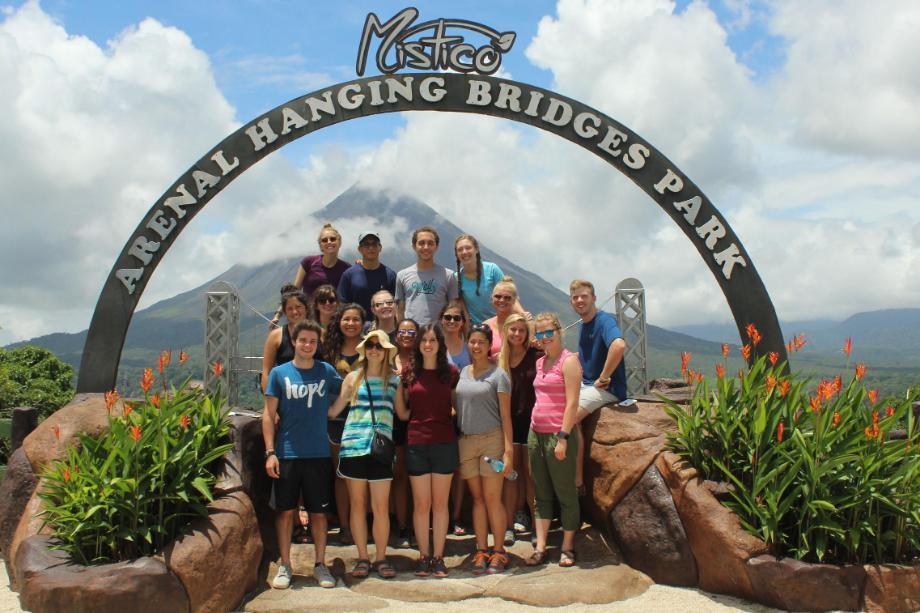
{"x": 361, "y": 281}
{"x": 297, "y": 399}
{"x": 600, "y": 351}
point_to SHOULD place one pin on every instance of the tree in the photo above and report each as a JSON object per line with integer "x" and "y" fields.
{"x": 33, "y": 377}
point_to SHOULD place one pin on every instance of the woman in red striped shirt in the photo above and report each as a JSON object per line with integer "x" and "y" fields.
{"x": 552, "y": 443}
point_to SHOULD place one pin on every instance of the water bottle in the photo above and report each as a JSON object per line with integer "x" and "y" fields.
{"x": 498, "y": 466}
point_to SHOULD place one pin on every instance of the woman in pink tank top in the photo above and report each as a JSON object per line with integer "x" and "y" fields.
{"x": 552, "y": 443}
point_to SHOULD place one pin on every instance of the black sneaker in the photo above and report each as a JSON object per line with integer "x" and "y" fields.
{"x": 438, "y": 568}
{"x": 402, "y": 539}
{"x": 423, "y": 566}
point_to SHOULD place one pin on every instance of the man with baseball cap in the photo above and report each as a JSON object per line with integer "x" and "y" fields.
{"x": 361, "y": 281}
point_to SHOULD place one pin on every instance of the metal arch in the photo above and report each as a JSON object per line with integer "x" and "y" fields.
{"x": 745, "y": 292}
{"x": 630, "y": 309}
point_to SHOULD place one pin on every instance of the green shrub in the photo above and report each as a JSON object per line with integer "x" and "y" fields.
{"x": 33, "y": 377}
{"x": 814, "y": 471}
{"x": 132, "y": 491}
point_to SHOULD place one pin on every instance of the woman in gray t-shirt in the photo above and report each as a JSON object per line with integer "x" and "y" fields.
{"x": 483, "y": 403}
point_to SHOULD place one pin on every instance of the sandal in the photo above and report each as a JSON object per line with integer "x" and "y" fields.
{"x": 459, "y": 529}
{"x": 362, "y": 569}
{"x": 567, "y": 558}
{"x": 536, "y": 558}
{"x": 384, "y": 569}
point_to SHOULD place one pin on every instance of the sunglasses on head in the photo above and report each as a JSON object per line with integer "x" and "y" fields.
{"x": 384, "y": 303}
{"x": 452, "y": 317}
{"x": 545, "y": 334}
{"x": 502, "y": 297}
{"x": 405, "y": 332}
{"x": 372, "y": 346}
{"x": 328, "y": 239}
{"x": 327, "y": 300}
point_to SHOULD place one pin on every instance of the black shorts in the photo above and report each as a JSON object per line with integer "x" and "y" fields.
{"x": 334, "y": 429}
{"x": 520, "y": 428}
{"x": 400, "y": 431}
{"x": 439, "y": 458}
{"x": 310, "y": 478}
{"x": 364, "y": 468}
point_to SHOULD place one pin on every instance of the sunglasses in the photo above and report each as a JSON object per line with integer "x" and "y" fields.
{"x": 406, "y": 332}
{"x": 328, "y": 239}
{"x": 502, "y": 297}
{"x": 545, "y": 334}
{"x": 452, "y": 317}
{"x": 372, "y": 346}
{"x": 329, "y": 300}
{"x": 384, "y": 303}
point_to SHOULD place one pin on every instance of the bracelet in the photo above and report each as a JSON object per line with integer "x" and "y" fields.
{"x": 269, "y": 453}
{"x": 563, "y": 435}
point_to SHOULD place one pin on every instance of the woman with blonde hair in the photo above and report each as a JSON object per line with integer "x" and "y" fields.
{"x": 552, "y": 442}
{"x": 370, "y": 390}
{"x": 504, "y": 297}
{"x": 519, "y": 359}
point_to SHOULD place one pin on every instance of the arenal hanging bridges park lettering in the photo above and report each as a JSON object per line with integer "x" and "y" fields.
{"x": 464, "y": 87}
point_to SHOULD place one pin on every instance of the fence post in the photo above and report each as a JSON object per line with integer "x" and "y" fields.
{"x": 630, "y": 308}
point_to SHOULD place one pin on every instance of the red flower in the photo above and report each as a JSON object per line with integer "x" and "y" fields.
{"x": 218, "y": 369}
{"x": 753, "y": 334}
{"x": 66, "y": 474}
{"x": 837, "y": 418}
{"x": 699, "y": 377}
{"x": 57, "y": 432}
{"x": 784, "y": 388}
{"x": 848, "y": 346}
{"x": 128, "y": 407}
{"x": 684, "y": 362}
{"x": 779, "y": 432}
{"x": 798, "y": 342}
{"x": 861, "y": 370}
{"x": 183, "y": 357}
{"x": 147, "y": 380}
{"x": 873, "y": 396}
{"x": 826, "y": 389}
{"x": 136, "y": 433}
{"x": 815, "y": 403}
{"x": 773, "y": 357}
{"x": 720, "y": 370}
{"x": 875, "y": 419}
{"x": 110, "y": 399}
{"x": 771, "y": 383}
{"x": 746, "y": 352}
{"x": 889, "y": 411}
{"x": 184, "y": 422}
{"x": 726, "y": 349}
{"x": 868, "y": 432}
{"x": 155, "y": 400}
{"x": 163, "y": 362}
{"x": 789, "y": 347}
{"x": 838, "y": 384}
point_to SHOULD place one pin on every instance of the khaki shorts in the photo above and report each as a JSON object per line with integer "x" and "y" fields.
{"x": 474, "y": 446}
{"x": 591, "y": 398}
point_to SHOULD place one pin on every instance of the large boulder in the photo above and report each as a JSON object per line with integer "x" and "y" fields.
{"x": 30, "y": 524}
{"x": 249, "y": 455}
{"x": 48, "y": 581}
{"x": 49, "y": 441}
{"x": 891, "y": 588}
{"x": 789, "y": 584}
{"x": 218, "y": 559}
{"x": 17, "y": 487}
{"x": 649, "y": 532}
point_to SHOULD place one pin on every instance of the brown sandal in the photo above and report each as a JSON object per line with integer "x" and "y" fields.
{"x": 536, "y": 558}
{"x": 384, "y": 569}
{"x": 362, "y": 569}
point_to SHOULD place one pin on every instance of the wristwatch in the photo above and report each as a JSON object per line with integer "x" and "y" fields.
{"x": 563, "y": 435}
{"x": 269, "y": 453}
{"x": 604, "y": 379}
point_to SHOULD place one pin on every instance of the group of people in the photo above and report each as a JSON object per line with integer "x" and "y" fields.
{"x": 437, "y": 379}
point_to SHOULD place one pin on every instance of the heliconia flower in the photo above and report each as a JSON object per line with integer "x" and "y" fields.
{"x": 746, "y": 352}
{"x": 861, "y": 370}
{"x": 218, "y": 369}
{"x": 837, "y": 418}
{"x": 166, "y": 357}
{"x": 184, "y": 422}
{"x": 773, "y": 357}
{"x": 771, "y": 383}
{"x": 815, "y": 402}
{"x": 789, "y": 347}
{"x": 183, "y": 357}
{"x": 690, "y": 375}
{"x": 111, "y": 398}
{"x": 838, "y": 384}
{"x": 155, "y": 400}
{"x": 57, "y": 432}
{"x": 753, "y": 334}
{"x": 889, "y": 411}
{"x": 827, "y": 389}
{"x": 784, "y": 388}
{"x": 699, "y": 377}
{"x": 136, "y": 433}
{"x": 126, "y": 410}
{"x": 868, "y": 432}
{"x": 66, "y": 474}
{"x": 147, "y": 380}
{"x": 848, "y": 346}
{"x": 726, "y": 349}
{"x": 873, "y": 396}
{"x": 779, "y": 432}
{"x": 720, "y": 370}
{"x": 798, "y": 342}
{"x": 875, "y": 419}
{"x": 684, "y": 361}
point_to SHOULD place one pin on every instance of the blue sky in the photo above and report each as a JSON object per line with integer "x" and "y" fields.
{"x": 799, "y": 120}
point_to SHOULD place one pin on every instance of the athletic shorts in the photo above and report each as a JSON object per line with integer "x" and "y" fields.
{"x": 310, "y": 478}
{"x": 473, "y": 447}
{"x": 591, "y": 398}
{"x": 364, "y": 468}
{"x": 438, "y": 458}
{"x": 334, "y": 429}
{"x": 400, "y": 431}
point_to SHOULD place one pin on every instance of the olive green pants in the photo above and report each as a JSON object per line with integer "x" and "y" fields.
{"x": 554, "y": 479}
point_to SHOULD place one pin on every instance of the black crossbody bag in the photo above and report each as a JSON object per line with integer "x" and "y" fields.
{"x": 383, "y": 449}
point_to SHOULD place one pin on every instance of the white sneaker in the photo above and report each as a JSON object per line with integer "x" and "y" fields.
{"x": 521, "y": 521}
{"x": 509, "y": 537}
{"x": 282, "y": 580}
{"x": 322, "y": 574}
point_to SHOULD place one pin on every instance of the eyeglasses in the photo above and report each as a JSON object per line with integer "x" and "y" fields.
{"x": 406, "y": 332}
{"x": 502, "y": 297}
{"x": 327, "y": 300}
{"x": 372, "y": 346}
{"x": 384, "y": 303}
{"x": 452, "y": 317}
{"x": 329, "y": 239}
{"x": 545, "y": 334}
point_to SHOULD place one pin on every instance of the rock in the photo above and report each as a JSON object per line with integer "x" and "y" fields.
{"x": 218, "y": 560}
{"x": 649, "y": 532}
{"x": 295, "y": 600}
{"x": 419, "y": 590}
{"x": 617, "y": 424}
{"x": 789, "y": 584}
{"x": 612, "y": 470}
{"x": 49, "y": 582}
{"x": 229, "y": 478}
{"x": 15, "y": 491}
{"x": 29, "y": 525}
{"x": 672, "y": 389}
{"x": 85, "y": 413}
{"x": 23, "y": 421}
{"x": 719, "y": 544}
{"x": 719, "y": 489}
{"x": 552, "y": 586}
{"x": 892, "y": 588}
{"x": 249, "y": 449}
{"x": 676, "y": 472}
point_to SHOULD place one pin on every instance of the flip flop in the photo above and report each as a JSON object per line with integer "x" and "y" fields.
{"x": 384, "y": 569}
{"x": 362, "y": 569}
{"x": 567, "y": 558}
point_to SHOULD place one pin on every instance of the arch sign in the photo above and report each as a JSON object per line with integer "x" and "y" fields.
{"x": 468, "y": 89}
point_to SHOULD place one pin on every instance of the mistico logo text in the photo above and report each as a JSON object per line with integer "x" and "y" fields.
{"x": 436, "y": 50}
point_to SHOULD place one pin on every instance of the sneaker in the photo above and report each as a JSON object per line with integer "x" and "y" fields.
{"x": 423, "y": 566}
{"x": 458, "y": 528}
{"x": 481, "y": 561}
{"x": 323, "y": 575}
{"x": 498, "y": 562}
{"x": 438, "y": 568}
{"x": 402, "y": 539}
{"x": 282, "y": 580}
{"x": 521, "y": 521}
{"x": 509, "y": 538}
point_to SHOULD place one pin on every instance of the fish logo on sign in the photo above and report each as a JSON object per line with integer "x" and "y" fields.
{"x": 435, "y": 51}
